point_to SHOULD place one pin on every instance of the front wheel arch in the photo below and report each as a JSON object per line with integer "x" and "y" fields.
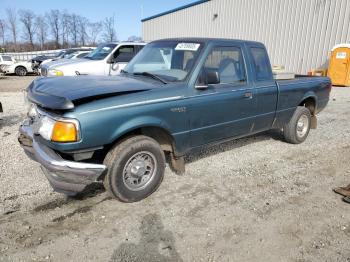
{"x": 160, "y": 134}
{"x": 118, "y": 162}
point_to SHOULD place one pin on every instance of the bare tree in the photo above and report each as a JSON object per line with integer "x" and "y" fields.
{"x": 2, "y": 31}
{"x": 110, "y": 34}
{"x": 27, "y": 18}
{"x": 83, "y": 23}
{"x": 54, "y": 22}
{"x": 94, "y": 30}
{"x": 134, "y": 38}
{"x": 12, "y": 23}
{"x": 41, "y": 30}
{"x": 74, "y": 28}
{"x": 65, "y": 24}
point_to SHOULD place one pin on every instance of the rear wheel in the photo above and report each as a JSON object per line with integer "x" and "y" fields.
{"x": 135, "y": 168}
{"x": 21, "y": 71}
{"x": 298, "y": 128}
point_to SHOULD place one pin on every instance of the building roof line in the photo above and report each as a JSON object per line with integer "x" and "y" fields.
{"x": 175, "y": 10}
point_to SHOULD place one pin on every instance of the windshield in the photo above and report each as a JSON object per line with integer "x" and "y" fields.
{"x": 60, "y": 54}
{"x": 101, "y": 52}
{"x": 168, "y": 60}
{"x": 69, "y": 56}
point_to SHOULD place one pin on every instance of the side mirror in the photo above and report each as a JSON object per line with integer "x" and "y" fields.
{"x": 110, "y": 60}
{"x": 207, "y": 77}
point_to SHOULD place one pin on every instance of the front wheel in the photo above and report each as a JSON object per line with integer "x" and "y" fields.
{"x": 135, "y": 168}
{"x": 296, "y": 131}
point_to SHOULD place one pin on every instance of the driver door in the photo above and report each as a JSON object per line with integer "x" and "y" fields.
{"x": 226, "y": 109}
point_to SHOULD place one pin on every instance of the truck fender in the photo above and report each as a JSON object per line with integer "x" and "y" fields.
{"x": 307, "y": 96}
{"x": 136, "y": 123}
{"x": 176, "y": 163}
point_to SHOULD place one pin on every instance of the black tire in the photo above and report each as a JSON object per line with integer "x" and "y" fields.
{"x": 119, "y": 180}
{"x": 21, "y": 71}
{"x": 293, "y": 133}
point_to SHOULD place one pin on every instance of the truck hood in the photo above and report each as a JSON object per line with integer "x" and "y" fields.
{"x": 77, "y": 63}
{"x": 63, "y": 93}
{"x": 58, "y": 62}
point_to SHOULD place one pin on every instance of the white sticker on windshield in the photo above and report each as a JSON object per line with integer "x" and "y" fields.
{"x": 341, "y": 55}
{"x": 187, "y": 46}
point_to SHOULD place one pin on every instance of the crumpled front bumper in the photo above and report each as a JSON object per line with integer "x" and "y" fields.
{"x": 67, "y": 177}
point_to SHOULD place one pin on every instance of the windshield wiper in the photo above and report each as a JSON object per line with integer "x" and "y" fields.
{"x": 151, "y": 75}
{"x": 124, "y": 72}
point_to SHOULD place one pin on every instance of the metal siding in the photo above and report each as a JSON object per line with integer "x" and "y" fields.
{"x": 298, "y": 34}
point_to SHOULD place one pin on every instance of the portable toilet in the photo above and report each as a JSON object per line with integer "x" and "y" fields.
{"x": 339, "y": 65}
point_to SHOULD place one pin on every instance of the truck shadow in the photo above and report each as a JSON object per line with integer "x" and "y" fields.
{"x": 232, "y": 144}
{"x": 90, "y": 191}
{"x": 156, "y": 243}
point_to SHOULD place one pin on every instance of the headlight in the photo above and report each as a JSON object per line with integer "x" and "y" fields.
{"x": 46, "y": 127}
{"x": 54, "y": 72}
{"x": 66, "y": 130}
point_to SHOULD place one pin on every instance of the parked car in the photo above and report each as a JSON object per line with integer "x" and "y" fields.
{"x": 175, "y": 96}
{"x": 6, "y": 60}
{"x": 20, "y": 68}
{"x": 68, "y": 54}
{"x": 106, "y": 59}
{"x": 38, "y": 60}
{"x": 65, "y": 60}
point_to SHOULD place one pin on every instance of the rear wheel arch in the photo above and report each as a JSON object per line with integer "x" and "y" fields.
{"x": 309, "y": 103}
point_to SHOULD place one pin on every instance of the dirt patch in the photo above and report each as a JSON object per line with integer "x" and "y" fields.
{"x": 12, "y": 83}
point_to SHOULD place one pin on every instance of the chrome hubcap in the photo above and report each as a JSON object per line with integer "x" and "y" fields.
{"x": 302, "y": 126}
{"x": 139, "y": 170}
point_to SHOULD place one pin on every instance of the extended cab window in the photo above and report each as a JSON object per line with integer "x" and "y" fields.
{"x": 228, "y": 61}
{"x": 261, "y": 63}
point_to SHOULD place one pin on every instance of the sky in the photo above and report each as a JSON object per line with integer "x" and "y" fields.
{"x": 128, "y": 13}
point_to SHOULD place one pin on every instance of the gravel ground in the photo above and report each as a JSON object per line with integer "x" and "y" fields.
{"x": 12, "y": 83}
{"x": 254, "y": 199}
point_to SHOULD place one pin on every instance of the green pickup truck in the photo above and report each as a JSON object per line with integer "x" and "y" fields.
{"x": 174, "y": 96}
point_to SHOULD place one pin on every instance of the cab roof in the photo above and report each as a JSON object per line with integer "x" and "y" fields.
{"x": 207, "y": 40}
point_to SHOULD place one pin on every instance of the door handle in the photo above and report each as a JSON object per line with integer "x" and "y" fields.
{"x": 248, "y": 95}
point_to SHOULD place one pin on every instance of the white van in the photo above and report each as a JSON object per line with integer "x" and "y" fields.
{"x": 106, "y": 59}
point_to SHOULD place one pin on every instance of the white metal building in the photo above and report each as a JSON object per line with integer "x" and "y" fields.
{"x": 298, "y": 34}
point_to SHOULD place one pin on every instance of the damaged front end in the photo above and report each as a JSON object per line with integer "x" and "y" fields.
{"x": 69, "y": 177}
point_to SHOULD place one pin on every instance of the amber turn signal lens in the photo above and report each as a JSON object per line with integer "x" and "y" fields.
{"x": 64, "y": 132}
